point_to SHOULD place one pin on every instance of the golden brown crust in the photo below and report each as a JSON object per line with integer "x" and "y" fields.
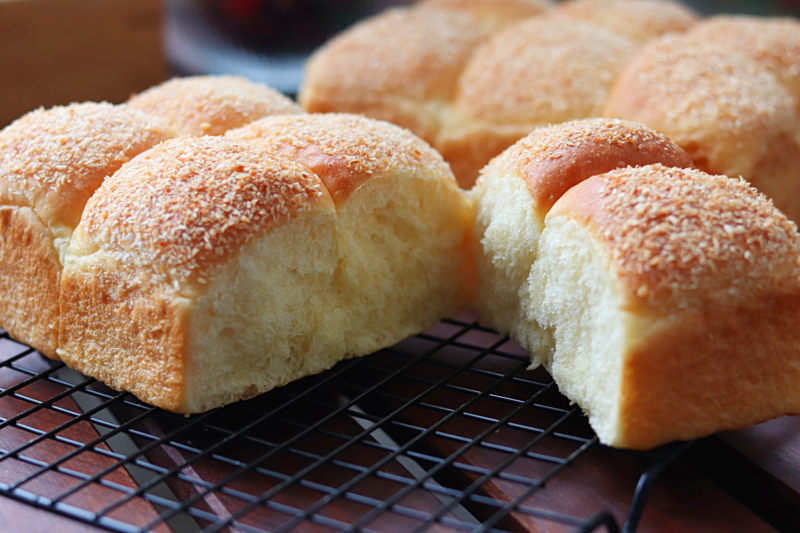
{"x": 552, "y": 160}
{"x": 494, "y": 14}
{"x": 29, "y": 271}
{"x": 407, "y": 61}
{"x": 676, "y": 236}
{"x": 708, "y": 276}
{"x": 345, "y": 150}
{"x": 639, "y": 20}
{"x": 211, "y": 105}
{"x": 721, "y": 366}
{"x": 233, "y": 190}
{"x": 774, "y": 43}
{"x": 126, "y": 330}
{"x": 734, "y": 108}
{"x": 53, "y": 160}
{"x": 540, "y": 71}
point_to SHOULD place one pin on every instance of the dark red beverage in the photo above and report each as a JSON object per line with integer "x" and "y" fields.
{"x": 265, "y": 40}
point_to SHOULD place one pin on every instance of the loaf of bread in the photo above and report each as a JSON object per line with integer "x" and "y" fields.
{"x": 472, "y": 83}
{"x": 518, "y": 188}
{"x": 729, "y": 112}
{"x": 663, "y": 300}
{"x": 51, "y": 162}
{"x": 211, "y": 269}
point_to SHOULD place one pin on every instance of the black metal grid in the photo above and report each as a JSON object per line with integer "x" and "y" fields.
{"x": 446, "y": 431}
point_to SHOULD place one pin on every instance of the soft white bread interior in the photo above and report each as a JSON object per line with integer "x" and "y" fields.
{"x": 473, "y": 76}
{"x": 211, "y": 269}
{"x": 51, "y": 162}
{"x": 211, "y": 105}
{"x": 672, "y": 298}
{"x": 403, "y": 225}
{"x": 515, "y": 192}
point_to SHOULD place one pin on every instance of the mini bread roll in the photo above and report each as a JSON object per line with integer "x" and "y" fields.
{"x": 517, "y": 189}
{"x": 772, "y": 42}
{"x": 672, "y": 297}
{"x": 537, "y": 72}
{"x": 401, "y": 66}
{"x": 403, "y": 225}
{"x": 211, "y": 105}
{"x": 728, "y": 112}
{"x": 197, "y": 273}
{"x": 51, "y": 162}
{"x": 211, "y": 269}
{"x": 639, "y": 20}
{"x": 493, "y": 13}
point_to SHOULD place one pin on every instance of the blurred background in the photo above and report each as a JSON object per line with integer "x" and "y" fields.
{"x": 59, "y": 51}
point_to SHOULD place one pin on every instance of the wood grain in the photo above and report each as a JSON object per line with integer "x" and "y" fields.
{"x": 56, "y": 52}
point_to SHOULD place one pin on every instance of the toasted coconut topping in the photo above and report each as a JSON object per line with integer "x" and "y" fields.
{"x": 553, "y": 159}
{"x": 543, "y": 70}
{"x": 345, "y": 150}
{"x": 722, "y": 107}
{"x": 409, "y": 52}
{"x": 54, "y": 159}
{"x": 637, "y": 20}
{"x": 671, "y": 232}
{"x": 772, "y": 42}
{"x": 180, "y": 207}
{"x": 211, "y": 105}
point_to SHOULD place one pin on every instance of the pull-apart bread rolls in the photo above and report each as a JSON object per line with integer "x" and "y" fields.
{"x": 772, "y": 42}
{"x": 639, "y": 20}
{"x": 211, "y": 269}
{"x": 517, "y": 189}
{"x": 538, "y": 72}
{"x": 663, "y": 300}
{"x": 211, "y": 105}
{"x": 673, "y": 298}
{"x": 724, "y": 108}
{"x": 472, "y": 83}
{"x": 51, "y": 162}
{"x": 400, "y": 66}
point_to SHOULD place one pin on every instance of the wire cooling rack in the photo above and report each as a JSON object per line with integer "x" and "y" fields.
{"x": 446, "y": 431}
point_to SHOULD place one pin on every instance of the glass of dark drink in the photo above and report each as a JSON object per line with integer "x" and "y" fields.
{"x": 264, "y": 40}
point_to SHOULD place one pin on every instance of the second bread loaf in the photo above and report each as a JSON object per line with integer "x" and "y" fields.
{"x": 212, "y": 269}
